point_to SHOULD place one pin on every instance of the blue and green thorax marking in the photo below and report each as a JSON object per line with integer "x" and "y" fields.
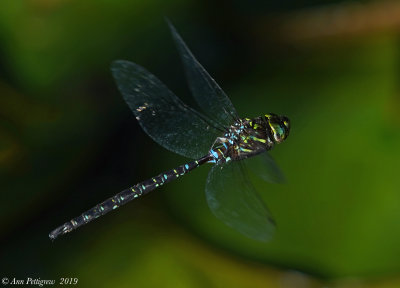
{"x": 249, "y": 137}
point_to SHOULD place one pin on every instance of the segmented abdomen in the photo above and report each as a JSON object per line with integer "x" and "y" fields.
{"x": 127, "y": 195}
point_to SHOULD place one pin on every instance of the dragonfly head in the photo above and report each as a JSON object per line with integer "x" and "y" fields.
{"x": 280, "y": 127}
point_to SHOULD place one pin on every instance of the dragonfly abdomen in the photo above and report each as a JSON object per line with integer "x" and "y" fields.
{"x": 127, "y": 195}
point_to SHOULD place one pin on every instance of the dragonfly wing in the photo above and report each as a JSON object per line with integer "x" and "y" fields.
{"x": 233, "y": 199}
{"x": 207, "y": 93}
{"x": 266, "y": 168}
{"x": 161, "y": 114}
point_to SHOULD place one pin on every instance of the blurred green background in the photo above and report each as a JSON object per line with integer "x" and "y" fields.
{"x": 68, "y": 141}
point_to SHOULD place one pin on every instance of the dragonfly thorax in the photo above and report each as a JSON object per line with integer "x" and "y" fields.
{"x": 248, "y": 137}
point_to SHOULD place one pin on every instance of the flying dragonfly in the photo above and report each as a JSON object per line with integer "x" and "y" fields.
{"x": 216, "y": 136}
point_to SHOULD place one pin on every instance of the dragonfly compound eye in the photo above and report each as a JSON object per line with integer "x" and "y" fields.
{"x": 278, "y": 132}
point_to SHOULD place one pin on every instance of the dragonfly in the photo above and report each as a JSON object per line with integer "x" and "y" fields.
{"x": 216, "y": 136}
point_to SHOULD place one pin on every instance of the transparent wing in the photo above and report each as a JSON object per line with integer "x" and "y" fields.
{"x": 266, "y": 168}
{"x": 207, "y": 93}
{"x": 161, "y": 114}
{"x": 233, "y": 199}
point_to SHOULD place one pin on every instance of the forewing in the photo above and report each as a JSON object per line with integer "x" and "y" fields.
{"x": 207, "y": 93}
{"x": 161, "y": 114}
{"x": 233, "y": 199}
